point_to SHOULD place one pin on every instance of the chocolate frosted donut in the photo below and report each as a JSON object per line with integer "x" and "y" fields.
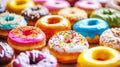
{"x": 2, "y": 9}
{"x": 6, "y": 54}
{"x": 32, "y": 14}
{"x": 35, "y": 58}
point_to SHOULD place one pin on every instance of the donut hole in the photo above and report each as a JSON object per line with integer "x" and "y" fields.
{"x": 34, "y": 59}
{"x": 53, "y": 20}
{"x": 57, "y": 2}
{"x": 92, "y": 22}
{"x": 35, "y": 9}
{"x": 21, "y": 2}
{"x": 72, "y": 12}
{"x": 102, "y": 55}
{"x": 89, "y": 2}
{"x": 107, "y": 12}
{"x": 9, "y": 18}
{"x": 27, "y": 32}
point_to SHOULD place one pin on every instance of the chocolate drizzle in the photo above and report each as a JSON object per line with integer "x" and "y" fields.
{"x": 6, "y": 53}
{"x": 34, "y": 13}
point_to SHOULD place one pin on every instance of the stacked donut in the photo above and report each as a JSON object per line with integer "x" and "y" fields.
{"x": 37, "y": 33}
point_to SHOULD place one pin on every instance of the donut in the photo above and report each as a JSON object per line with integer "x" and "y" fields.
{"x": 91, "y": 28}
{"x": 32, "y": 14}
{"x": 56, "y": 5}
{"x": 6, "y": 55}
{"x": 100, "y": 56}
{"x": 67, "y": 45}
{"x": 35, "y": 58}
{"x": 88, "y": 5}
{"x": 115, "y": 4}
{"x": 9, "y": 21}
{"x": 51, "y": 24}
{"x": 110, "y": 38}
{"x": 73, "y": 14}
{"x": 2, "y": 9}
{"x": 16, "y": 6}
{"x": 26, "y": 38}
{"x": 111, "y": 16}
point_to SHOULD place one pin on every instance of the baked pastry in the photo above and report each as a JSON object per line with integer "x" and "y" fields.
{"x": 26, "y": 38}
{"x": 111, "y": 16}
{"x": 67, "y": 45}
{"x": 91, "y": 28}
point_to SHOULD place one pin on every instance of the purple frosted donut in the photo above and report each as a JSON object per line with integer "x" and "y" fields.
{"x": 2, "y": 9}
{"x": 35, "y": 58}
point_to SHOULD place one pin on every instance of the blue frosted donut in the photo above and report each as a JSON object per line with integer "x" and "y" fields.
{"x": 9, "y": 21}
{"x": 91, "y": 28}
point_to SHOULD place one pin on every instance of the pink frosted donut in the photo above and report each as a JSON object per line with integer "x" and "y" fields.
{"x": 88, "y": 5}
{"x": 56, "y": 5}
{"x": 26, "y": 38}
{"x": 35, "y": 58}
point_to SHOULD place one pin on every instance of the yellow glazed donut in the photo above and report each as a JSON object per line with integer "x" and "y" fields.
{"x": 16, "y": 6}
{"x": 73, "y": 14}
{"x": 99, "y": 57}
{"x": 51, "y": 24}
{"x": 67, "y": 45}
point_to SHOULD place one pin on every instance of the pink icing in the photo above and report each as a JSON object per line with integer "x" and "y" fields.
{"x": 21, "y": 40}
{"x": 57, "y": 4}
{"x": 87, "y": 4}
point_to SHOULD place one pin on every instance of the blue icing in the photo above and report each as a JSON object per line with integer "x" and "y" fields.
{"x": 10, "y": 17}
{"x": 90, "y": 27}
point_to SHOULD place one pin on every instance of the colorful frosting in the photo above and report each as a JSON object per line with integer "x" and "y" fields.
{"x": 10, "y": 21}
{"x": 56, "y": 5}
{"x": 90, "y": 27}
{"x": 68, "y": 41}
{"x": 26, "y": 34}
{"x": 35, "y": 58}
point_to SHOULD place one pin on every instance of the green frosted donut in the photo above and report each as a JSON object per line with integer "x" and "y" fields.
{"x": 111, "y": 16}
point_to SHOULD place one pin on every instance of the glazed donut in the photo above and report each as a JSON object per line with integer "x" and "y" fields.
{"x": 67, "y": 45}
{"x": 51, "y": 24}
{"x": 2, "y": 9}
{"x": 56, "y": 5}
{"x": 111, "y": 38}
{"x": 32, "y": 14}
{"x": 99, "y": 57}
{"x": 35, "y": 58}
{"x": 91, "y": 28}
{"x": 88, "y": 5}
{"x": 115, "y": 4}
{"x": 16, "y": 6}
{"x": 25, "y": 38}
{"x": 6, "y": 55}
{"x": 73, "y": 14}
{"x": 111, "y": 16}
{"x": 9, "y": 21}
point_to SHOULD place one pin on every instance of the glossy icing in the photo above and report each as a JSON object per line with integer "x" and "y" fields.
{"x": 6, "y": 54}
{"x": 26, "y": 34}
{"x": 68, "y": 41}
{"x": 10, "y": 21}
{"x": 90, "y": 27}
{"x": 35, "y": 58}
{"x": 56, "y": 5}
{"x": 88, "y": 4}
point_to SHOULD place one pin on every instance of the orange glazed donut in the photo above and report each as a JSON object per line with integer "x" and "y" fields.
{"x": 53, "y": 23}
{"x": 111, "y": 38}
{"x": 67, "y": 45}
{"x": 16, "y": 6}
{"x": 25, "y": 38}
